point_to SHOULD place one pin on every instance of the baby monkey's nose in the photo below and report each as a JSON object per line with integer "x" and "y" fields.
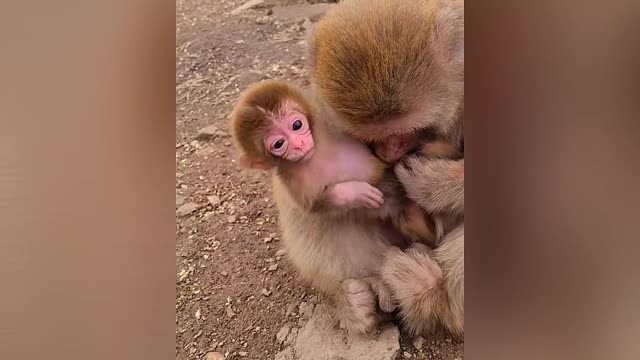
{"x": 298, "y": 144}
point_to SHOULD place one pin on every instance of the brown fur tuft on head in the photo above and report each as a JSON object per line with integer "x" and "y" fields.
{"x": 252, "y": 116}
{"x": 374, "y": 60}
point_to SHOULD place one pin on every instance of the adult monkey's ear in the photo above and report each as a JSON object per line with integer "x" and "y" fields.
{"x": 449, "y": 31}
{"x": 247, "y": 162}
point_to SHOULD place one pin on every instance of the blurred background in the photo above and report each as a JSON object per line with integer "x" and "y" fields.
{"x": 97, "y": 119}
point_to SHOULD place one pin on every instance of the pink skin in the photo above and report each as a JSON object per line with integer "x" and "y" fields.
{"x": 393, "y": 148}
{"x": 291, "y": 139}
{"x": 289, "y": 142}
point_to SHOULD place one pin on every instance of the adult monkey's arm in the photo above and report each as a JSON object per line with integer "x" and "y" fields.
{"x": 435, "y": 184}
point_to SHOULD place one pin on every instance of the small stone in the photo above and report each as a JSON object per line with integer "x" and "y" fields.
{"x": 180, "y": 199}
{"x": 214, "y": 356}
{"x": 265, "y": 292}
{"x": 321, "y": 339}
{"x": 281, "y": 336}
{"x": 268, "y": 239}
{"x": 232, "y": 219}
{"x": 248, "y": 5}
{"x": 292, "y": 337}
{"x": 183, "y": 274}
{"x": 307, "y": 25}
{"x": 198, "y": 314}
{"x": 448, "y": 340}
{"x": 204, "y": 152}
{"x": 187, "y": 209}
{"x": 262, "y": 20}
{"x": 418, "y": 343}
{"x": 209, "y": 132}
{"x": 230, "y": 313}
{"x": 291, "y": 308}
{"x": 224, "y": 273}
{"x": 407, "y": 355}
{"x": 243, "y": 353}
{"x": 273, "y": 267}
{"x": 280, "y": 252}
{"x": 214, "y": 200}
{"x": 306, "y": 309}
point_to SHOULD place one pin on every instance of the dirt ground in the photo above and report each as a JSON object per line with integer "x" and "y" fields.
{"x": 234, "y": 289}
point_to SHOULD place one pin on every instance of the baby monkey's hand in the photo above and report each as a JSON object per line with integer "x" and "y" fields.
{"x": 355, "y": 194}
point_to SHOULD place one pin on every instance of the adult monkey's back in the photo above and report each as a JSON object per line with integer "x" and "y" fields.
{"x": 392, "y": 68}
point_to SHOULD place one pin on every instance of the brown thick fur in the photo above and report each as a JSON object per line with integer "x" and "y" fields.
{"x": 375, "y": 60}
{"x": 340, "y": 257}
{"x": 390, "y": 67}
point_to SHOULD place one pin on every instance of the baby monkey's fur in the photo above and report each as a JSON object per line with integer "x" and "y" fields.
{"x": 338, "y": 250}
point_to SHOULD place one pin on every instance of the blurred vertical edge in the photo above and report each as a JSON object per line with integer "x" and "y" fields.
{"x": 87, "y": 116}
{"x": 552, "y": 201}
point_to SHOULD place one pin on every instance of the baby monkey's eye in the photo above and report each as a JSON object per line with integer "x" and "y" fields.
{"x": 297, "y": 125}
{"x": 278, "y": 144}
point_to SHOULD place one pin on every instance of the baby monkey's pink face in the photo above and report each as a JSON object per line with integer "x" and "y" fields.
{"x": 290, "y": 137}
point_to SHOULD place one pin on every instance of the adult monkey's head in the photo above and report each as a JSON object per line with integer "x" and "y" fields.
{"x": 390, "y": 68}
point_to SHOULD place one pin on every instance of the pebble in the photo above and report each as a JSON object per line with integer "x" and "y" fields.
{"x": 214, "y": 356}
{"x": 291, "y": 308}
{"x": 273, "y": 267}
{"x": 224, "y": 273}
{"x": 306, "y": 309}
{"x": 407, "y": 355}
{"x": 262, "y": 20}
{"x": 232, "y": 219}
{"x": 292, "y": 336}
{"x": 187, "y": 209}
{"x": 280, "y": 252}
{"x": 265, "y": 292}
{"x": 281, "y": 336}
{"x": 214, "y": 200}
{"x": 243, "y": 353}
{"x": 230, "y": 313}
{"x": 248, "y": 5}
{"x": 208, "y": 133}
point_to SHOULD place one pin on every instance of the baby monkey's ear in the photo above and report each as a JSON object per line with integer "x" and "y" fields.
{"x": 247, "y": 162}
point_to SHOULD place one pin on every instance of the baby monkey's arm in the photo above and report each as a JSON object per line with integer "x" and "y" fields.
{"x": 338, "y": 197}
{"x": 345, "y": 196}
{"x": 353, "y": 194}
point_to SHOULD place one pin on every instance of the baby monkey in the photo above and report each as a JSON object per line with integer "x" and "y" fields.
{"x": 324, "y": 170}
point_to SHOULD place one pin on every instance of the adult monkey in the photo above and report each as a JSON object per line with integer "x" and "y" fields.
{"x": 390, "y": 69}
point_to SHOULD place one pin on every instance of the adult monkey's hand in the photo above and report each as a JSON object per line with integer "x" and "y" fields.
{"x": 435, "y": 184}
